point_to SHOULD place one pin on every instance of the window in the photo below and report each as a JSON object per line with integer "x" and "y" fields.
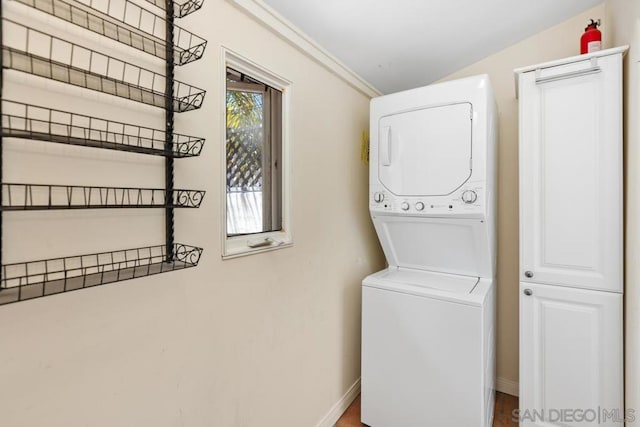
{"x": 256, "y": 200}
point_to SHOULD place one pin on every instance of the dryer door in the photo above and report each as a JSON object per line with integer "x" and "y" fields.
{"x": 425, "y": 152}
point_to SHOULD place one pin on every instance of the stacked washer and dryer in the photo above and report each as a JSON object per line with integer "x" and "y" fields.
{"x": 428, "y": 320}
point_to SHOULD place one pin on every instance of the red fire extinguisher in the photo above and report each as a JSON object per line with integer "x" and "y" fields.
{"x": 591, "y": 40}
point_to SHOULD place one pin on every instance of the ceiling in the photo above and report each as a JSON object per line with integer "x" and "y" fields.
{"x": 402, "y": 44}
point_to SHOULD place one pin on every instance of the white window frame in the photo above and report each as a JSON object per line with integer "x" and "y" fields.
{"x": 235, "y": 246}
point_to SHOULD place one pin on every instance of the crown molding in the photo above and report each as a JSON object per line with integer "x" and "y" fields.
{"x": 266, "y": 15}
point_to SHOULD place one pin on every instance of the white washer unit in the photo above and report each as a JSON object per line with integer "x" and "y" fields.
{"x": 428, "y": 320}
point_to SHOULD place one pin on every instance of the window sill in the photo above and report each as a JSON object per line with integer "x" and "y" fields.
{"x": 238, "y": 246}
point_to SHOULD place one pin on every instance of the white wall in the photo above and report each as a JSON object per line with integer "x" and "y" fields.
{"x": 265, "y": 340}
{"x": 557, "y": 42}
{"x": 623, "y": 17}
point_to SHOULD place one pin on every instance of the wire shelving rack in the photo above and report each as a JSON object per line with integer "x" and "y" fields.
{"x": 30, "y": 50}
{"x": 31, "y": 197}
{"x": 34, "y": 279}
{"x": 132, "y": 25}
{"x": 33, "y": 122}
{"x": 35, "y": 52}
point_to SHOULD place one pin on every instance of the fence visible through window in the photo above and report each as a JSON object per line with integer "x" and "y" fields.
{"x": 253, "y": 148}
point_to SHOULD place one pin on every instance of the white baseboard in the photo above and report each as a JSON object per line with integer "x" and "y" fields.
{"x": 506, "y": 386}
{"x": 338, "y": 409}
{"x": 503, "y": 385}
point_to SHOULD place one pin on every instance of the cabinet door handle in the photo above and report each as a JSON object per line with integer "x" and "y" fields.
{"x": 528, "y": 274}
{"x": 528, "y": 292}
{"x": 569, "y": 75}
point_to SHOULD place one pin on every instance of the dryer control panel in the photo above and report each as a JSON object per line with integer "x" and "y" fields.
{"x": 468, "y": 199}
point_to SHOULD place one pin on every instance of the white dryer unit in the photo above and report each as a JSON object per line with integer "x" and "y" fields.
{"x": 428, "y": 320}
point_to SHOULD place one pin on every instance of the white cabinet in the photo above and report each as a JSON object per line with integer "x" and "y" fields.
{"x": 571, "y": 241}
{"x": 570, "y": 356}
{"x": 571, "y": 174}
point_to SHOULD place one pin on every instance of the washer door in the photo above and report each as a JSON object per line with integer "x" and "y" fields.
{"x": 425, "y": 152}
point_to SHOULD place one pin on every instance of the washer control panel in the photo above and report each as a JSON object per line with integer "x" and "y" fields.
{"x": 466, "y": 199}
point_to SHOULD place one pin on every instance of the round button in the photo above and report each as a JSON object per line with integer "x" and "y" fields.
{"x": 469, "y": 196}
{"x": 419, "y": 206}
{"x": 378, "y": 197}
{"x": 405, "y": 206}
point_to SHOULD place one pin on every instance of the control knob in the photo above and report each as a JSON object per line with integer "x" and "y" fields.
{"x": 469, "y": 196}
{"x": 405, "y": 206}
{"x": 419, "y": 206}
{"x": 378, "y": 197}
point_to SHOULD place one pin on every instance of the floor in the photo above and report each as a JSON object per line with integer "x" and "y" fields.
{"x": 505, "y": 404}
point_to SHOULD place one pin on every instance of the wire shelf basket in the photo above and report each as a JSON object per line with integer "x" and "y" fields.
{"x": 34, "y": 52}
{"x": 126, "y": 23}
{"x": 30, "y": 197}
{"x": 34, "y": 279}
{"x": 20, "y": 120}
{"x": 181, "y": 8}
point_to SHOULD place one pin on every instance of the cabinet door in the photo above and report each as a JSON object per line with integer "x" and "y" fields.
{"x": 570, "y": 356}
{"x": 571, "y": 175}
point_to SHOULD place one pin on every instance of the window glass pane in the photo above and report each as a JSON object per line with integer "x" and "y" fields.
{"x": 253, "y": 149}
